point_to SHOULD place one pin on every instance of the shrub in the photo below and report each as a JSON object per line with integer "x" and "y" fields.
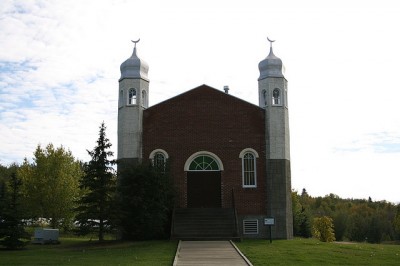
{"x": 323, "y": 229}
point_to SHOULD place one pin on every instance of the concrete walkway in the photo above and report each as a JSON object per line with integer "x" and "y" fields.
{"x": 209, "y": 253}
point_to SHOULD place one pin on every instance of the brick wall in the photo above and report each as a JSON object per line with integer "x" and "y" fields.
{"x": 205, "y": 119}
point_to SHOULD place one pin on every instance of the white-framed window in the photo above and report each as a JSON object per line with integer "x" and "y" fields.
{"x": 203, "y": 161}
{"x": 276, "y": 97}
{"x": 132, "y": 96}
{"x": 249, "y": 169}
{"x": 159, "y": 161}
{"x": 250, "y": 227}
{"x": 159, "y": 158}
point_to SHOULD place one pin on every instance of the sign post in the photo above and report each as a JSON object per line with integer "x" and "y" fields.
{"x": 269, "y": 222}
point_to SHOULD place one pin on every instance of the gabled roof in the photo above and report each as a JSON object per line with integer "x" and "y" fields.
{"x": 205, "y": 89}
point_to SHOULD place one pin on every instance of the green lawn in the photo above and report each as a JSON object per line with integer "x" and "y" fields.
{"x": 81, "y": 251}
{"x": 313, "y": 252}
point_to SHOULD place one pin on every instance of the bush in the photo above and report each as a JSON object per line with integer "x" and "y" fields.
{"x": 145, "y": 200}
{"x": 323, "y": 229}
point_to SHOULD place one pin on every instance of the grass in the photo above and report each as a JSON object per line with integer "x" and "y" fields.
{"x": 312, "y": 252}
{"x": 81, "y": 251}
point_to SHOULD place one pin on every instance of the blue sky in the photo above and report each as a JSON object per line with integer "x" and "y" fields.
{"x": 59, "y": 70}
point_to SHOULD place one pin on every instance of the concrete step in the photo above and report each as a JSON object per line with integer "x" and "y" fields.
{"x": 196, "y": 224}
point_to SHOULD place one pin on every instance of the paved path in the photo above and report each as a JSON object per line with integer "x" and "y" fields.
{"x": 209, "y": 253}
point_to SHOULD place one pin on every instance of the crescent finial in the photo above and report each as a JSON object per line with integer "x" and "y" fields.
{"x": 135, "y": 42}
{"x": 270, "y": 41}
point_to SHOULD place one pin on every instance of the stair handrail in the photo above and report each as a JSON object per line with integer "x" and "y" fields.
{"x": 235, "y": 214}
{"x": 172, "y": 224}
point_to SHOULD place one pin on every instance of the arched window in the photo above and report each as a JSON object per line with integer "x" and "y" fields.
{"x": 249, "y": 173}
{"x": 203, "y": 163}
{"x": 264, "y": 94}
{"x": 132, "y": 96}
{"x": 276, "y": 97}
{"x": 159, "y": 159}
{"x": 144, "y": 98}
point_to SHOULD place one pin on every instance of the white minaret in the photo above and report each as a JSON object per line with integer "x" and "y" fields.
{"x": 133, "y": 99}
{"x": 272, "y": 89}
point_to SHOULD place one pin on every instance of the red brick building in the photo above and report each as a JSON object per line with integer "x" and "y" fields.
{"x": 224, "y": 153}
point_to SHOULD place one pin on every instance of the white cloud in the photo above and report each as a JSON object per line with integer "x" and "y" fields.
{"x": 59, "y": 67}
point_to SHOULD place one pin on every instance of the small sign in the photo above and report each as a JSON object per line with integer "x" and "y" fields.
{"x": 269, "y": 221}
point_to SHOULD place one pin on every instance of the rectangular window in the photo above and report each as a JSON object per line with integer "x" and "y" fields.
{"x": 132, "y": 96}
{"x": 276, "y": 97}
{"x": 250, "y": 227}
{"x": 159, "y": 162}
{"x": 249, "y": 170}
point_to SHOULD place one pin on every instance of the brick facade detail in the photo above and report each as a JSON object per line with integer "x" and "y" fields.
{"x": 205, "y": 119}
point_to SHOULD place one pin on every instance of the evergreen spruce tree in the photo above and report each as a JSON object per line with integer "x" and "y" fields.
{"x": 12, "y": 232}
{"x": 95, "y": 211}
{"x": 145, "y": 200}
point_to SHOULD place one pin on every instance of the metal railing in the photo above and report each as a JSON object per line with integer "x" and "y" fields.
{"x": 235, "y": 214}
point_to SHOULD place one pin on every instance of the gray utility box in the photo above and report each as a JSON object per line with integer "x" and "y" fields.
{"x": 46, "y": 236}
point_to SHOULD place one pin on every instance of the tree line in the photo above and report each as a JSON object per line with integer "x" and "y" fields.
{"x": 350, "y": 219}
{"x": 83, "y": 197}
{"x": 87, "y": 198}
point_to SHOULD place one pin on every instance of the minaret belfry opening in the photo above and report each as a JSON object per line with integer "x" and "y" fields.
{"x": 133, "y": 99}
{"x": 272, "y": 89}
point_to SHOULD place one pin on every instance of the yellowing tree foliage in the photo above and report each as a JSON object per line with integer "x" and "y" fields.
{"x": 323, "y": 229}
{"x": 51, "y": 184}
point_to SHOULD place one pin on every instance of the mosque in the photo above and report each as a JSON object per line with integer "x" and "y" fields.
{"x": 229, "y": 159}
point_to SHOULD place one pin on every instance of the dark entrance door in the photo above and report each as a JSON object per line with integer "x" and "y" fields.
{"x": 204, "y": 189}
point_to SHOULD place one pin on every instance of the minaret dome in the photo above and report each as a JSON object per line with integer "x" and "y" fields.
{"x": 271, "y": 66}
{"x": 134, "y": 67}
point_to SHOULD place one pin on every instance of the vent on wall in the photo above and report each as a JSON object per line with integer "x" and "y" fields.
{"x": 250, "y": 227}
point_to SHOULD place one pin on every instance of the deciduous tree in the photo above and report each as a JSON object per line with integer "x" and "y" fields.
{"x": 51, "y": 185}
{"x": 301, "y": 217}
{"x": 396, "y": 223}
{"x": 353, "y": 219}
{"x": 323, "y": 229}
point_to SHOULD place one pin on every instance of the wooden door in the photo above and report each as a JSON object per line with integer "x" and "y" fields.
{"x": 204, "y": 189}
